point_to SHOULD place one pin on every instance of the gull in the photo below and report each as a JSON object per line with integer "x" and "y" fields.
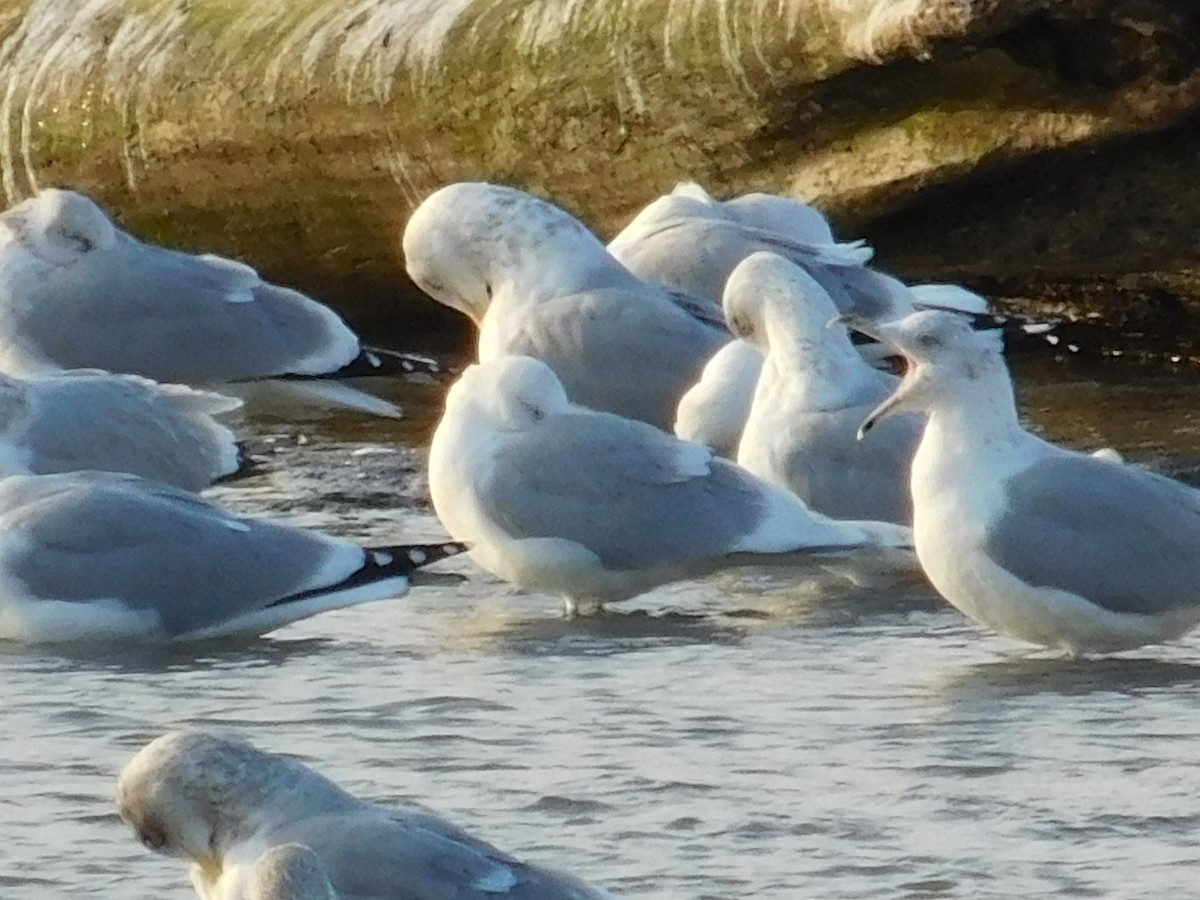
{"x": 692, "y": 241}
{"x": 77, "y": 292}
{"x": 770, "y": 212}
{"x": 89, "y": 419}
{"x": 221, "y": 803}
{"x": 814, "y": 392}
{"x": 1040, "y": 543}
{"x": 536, "y": 282}
{"x": 694, "y": 244}
{"x": 595, "y": 508}
{"x": 97, "y": 555}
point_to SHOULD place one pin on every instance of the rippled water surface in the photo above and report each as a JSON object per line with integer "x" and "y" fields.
{"x": 754, "y": 735}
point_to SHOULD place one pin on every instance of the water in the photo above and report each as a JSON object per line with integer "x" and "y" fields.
{"x": 743, "y": 736}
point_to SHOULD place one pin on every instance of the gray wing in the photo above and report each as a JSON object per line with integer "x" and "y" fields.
{"x": 1121, "y": 537}
{"x": 698, "y": 307}
{"x": 171, "y": 316}
{"x": 126, "y": 424}
{"x": 629, "y": 493}
{"x": 378, "y": 854}
{"x": 698, "y": 255}
{"x": 95, "y": 535}
{"x": 845, "y": 478}
{"x": 625, "y": 352}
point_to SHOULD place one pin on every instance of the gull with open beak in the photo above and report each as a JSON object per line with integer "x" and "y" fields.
{"x": 1040, "y": 543}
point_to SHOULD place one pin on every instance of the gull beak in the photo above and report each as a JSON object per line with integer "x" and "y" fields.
{"x": 873, "y": 329}
{"x": 882, "y": 411}
{"x": 861, "y": 324}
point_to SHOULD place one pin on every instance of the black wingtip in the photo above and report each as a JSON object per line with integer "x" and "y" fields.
{"x": 376, "y": 361}
{"x": 400, "y": 560}
{"x": 406, "y": 559}
{"x": 372, "y": 362}
{"x": 249, "y": 465}
{"x": 403, "y": 559}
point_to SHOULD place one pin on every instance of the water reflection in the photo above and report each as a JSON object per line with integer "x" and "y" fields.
{"x": 1039, "y": 674}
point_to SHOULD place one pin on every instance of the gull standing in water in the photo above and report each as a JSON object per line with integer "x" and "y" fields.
{"x": 536, "y": 282}
{"x": 1037, "y": 542}
{"x": 222, "y": 804}
{"x": 88, "y": 419}
{"x": 596, "y": 508}
{"x": 814, "y": 391}
{"x": 76, "y": 292}
{"x": 95, "y": 555}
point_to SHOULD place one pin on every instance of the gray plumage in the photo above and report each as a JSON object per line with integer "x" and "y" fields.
{"x": 699, "y": 254}
{"x": 206, "y": 798}
{"x": 160, "y": 561}
{"x": 616, "y": 487}
{"x": 1123, "y": 538}
{"x": 597, "y": 508}
{"x": 1040, "y": 543}
{"x": 537, "y": 283}
{"x": 812, "y": 394}
{"x": 639, "y": 370}
{"x": 77, "y": 292}
{"x": 117, "y": 423}
{"x": 823, "y": 462}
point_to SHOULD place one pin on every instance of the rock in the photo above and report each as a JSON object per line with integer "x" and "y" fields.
{"x": 1033, "y": 148}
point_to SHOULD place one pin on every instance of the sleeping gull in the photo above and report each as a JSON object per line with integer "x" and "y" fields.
{"x": 78, "y": 292}
{"x": 596, "y": 508}
{"x": 86, "y": 419}
{"x": 221, "y": 803}
{"x": 814, "y": 391}
{"x": 781, "y": 215}
{"x": 1040, "y": 543}
{"x": 536, "y": 282}
{"x": 694, "y": 246}
{"x": 96, "y": 555}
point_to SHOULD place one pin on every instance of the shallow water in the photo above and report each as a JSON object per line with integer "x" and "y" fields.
{"x": 760, "y": 735}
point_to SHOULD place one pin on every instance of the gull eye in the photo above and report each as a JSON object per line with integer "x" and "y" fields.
{"x": 929, "y": 340}
{"x": 152, "y": 838}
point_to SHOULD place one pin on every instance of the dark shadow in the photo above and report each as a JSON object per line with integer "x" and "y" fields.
{"x": 126, "y": 656}
{"x": 612, "y": 632}
{"x": 1038, "y": 674}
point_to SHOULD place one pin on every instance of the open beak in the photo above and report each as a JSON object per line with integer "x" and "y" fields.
{"x": 883, "y": 410}
{"x": 862, "y": 325}
{"x": 878, "y": 332}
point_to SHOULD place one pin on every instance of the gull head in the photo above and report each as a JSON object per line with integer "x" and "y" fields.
{"x": 767, "y": 295}
{"x": 513, "y": 393}
{"x": 59, "y": 226}
{"x": 942, "y": 353}
{"x": 189, "y": 794}
{"x": 469, "y": 241}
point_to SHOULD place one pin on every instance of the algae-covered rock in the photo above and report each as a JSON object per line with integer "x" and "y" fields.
{"x": 299, "y": 134}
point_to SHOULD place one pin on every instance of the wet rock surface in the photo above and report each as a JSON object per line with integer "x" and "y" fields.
{"x": 1039, "y": 151}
